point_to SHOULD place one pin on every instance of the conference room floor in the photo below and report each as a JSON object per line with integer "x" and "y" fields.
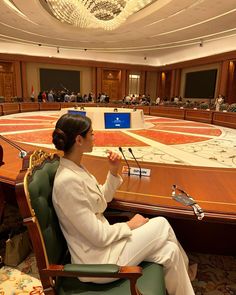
{"x": 163, "y": 140}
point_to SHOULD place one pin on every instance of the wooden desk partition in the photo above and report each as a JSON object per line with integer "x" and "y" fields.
{"x": 170, "y": 112}
{"x": 49, "y": 106}
{"x": 224, "y": 119}
{"x": 198, "y": 115}
{"x": 10, "y": 108}
{"x": 29, "y": 107}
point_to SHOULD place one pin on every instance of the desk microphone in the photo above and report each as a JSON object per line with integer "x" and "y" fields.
{"x": 140, "y": 171}
{"x": 121, "y": 150}
{"x": 22, "y": 153}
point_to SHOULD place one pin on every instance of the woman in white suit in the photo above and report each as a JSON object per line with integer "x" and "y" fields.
{"x": 80, "y": 201}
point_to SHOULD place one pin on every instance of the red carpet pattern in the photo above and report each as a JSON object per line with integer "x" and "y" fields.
{"x": 7, "y": 121}
{"x": 115, "y": 139}
{"x": 169, "y": 138}
{"x": 101, "y": 138}
{"x": 49, "y": 118}
{"x": 36, "y": 137}
{"x": 20, "y": 127}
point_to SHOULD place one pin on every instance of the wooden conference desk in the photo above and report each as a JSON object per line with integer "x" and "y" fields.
{"x": 213, "y": 188}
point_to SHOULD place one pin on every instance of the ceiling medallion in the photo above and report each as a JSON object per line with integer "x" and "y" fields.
{"x": 105, "y": 14}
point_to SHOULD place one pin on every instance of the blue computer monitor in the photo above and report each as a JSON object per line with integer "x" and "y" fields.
{"x": 75, "y": 112}
{"x": 117, "y": 120}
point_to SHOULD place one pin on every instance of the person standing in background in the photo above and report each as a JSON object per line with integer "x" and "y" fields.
{"x": 219, "y": 100}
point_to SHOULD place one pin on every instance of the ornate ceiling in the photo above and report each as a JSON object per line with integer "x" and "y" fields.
{"x": 165, "y": 31}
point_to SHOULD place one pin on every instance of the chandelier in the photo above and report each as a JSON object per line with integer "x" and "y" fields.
{"x": 105, "y": 14}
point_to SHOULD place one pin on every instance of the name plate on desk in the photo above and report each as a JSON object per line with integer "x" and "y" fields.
{"x": 136, "y": 171}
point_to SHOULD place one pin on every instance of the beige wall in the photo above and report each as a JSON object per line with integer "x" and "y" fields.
{"x": 33, "y": 76}
{"x": 151, "y": 85}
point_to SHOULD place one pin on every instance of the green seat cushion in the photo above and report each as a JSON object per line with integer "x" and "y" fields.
{"x": 150, "y": 283}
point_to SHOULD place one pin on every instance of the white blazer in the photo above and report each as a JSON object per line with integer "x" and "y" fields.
{"x": 79, "y": 202}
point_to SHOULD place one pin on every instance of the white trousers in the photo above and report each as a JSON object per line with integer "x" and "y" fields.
{"x": 155, "y": 241}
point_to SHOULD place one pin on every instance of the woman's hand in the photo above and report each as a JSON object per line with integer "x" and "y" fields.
{"x": 137, "y": 221}
{"x": 114, "y": 160}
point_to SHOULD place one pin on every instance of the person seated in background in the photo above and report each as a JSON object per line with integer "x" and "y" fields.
{"x": 44, "y": 96}
{"x": 50, "y": 96}
{"x": 40, "y": 97}
{"x": 103, "y": 98}
{"x": 133, "y": 99}
{"x": 127, "y": 99}
{"x": 143, "y": 99}
{"x": 80, "y": 202}
{"x": 73, "y": 97}
{"x": 67, "y": 97}
{"x": 85, "y": 98}
{"x": 32, "y": 98}
{"x": 107, "y": 99}
{"x": 79, "y": 97}
{"x": 91, "y": 97}
{"x": 98, "y": 97}
{"x": 176, "y": 99}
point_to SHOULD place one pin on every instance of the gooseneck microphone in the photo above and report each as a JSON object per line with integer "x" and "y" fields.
{"x": 121, "y": 150}
{"x": 140, "y": 171}
{"x": 22, "y": 153}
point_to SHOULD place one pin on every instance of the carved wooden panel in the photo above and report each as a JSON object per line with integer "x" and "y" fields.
{"x": 111, "y": 83}
{"x": 199, "y": 115}
{"x": 111, "y": 88}
{"x": 7, "y": 83}
{"x": 2, "y": 92}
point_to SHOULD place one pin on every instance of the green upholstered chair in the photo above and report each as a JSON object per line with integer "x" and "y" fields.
{"x": 34, "y": 195}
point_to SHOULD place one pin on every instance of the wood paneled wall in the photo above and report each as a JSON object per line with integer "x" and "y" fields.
{"x": 7, "y": 80}
{"x": 164, "y": 81}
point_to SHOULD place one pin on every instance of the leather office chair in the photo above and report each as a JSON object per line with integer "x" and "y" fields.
{"x": 34, "y": 195}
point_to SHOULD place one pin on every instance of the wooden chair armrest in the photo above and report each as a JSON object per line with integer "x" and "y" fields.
{"x": 132, "y": 273}
{"x": 93, "y": 270}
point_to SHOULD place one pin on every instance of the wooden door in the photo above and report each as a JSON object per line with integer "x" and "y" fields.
{"x": 111, "y": 84}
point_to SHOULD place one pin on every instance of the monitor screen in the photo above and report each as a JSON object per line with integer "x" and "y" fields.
{"x": 59, "y": 79}
{"x": 117, "y": 120}
{"x": 200, "y": 84}
{"x": 75, "y": 112}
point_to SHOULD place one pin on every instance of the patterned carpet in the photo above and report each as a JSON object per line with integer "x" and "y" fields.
{"x": 216, "y": 276}
{"x": 162, "y": 140}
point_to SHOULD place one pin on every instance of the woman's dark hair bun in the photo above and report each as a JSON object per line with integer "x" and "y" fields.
{"x": 59, "y": 139}
{"x": 67, "y": 128}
